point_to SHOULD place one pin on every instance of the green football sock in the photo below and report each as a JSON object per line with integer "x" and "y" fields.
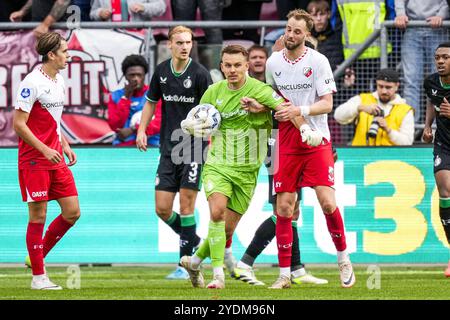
{"x": 217, "y": 240}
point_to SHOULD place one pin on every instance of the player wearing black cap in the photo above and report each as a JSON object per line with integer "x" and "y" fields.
{"x": 382, "y": 117}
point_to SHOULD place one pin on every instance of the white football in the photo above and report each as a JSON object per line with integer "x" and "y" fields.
{"x": 202, "y": 121}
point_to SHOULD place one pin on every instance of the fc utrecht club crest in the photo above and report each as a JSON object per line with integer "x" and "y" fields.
{"x": 307, "y": 71}
{"x": 187, "y": 83}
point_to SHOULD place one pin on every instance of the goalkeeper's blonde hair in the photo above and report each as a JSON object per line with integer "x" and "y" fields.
{"x": 180, "y": 29}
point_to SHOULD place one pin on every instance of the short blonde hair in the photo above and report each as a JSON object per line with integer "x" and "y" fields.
{"x": 300, "y": 14}
{"x": 180, "y": 29}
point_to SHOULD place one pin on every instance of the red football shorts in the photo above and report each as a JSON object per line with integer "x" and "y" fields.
{"x": 305, "y": 170}
{"x": 46, "y": 185}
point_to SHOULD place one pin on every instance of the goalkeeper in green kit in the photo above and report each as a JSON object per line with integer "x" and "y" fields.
{"x": 235, "y": 155}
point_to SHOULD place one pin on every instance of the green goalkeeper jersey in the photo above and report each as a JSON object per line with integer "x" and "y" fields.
{"x": 241, "y": 141}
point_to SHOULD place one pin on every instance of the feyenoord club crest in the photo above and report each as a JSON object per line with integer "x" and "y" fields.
{"x": 187, "y": 83}
{"x": 307, "y": 71}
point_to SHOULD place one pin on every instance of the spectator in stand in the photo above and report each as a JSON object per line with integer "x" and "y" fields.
{"x": 257, "y": 57}
{"x": 242, "y": 10}
{"x": 129, "y": 10}
{"x": 85, "y": 8}
{"x": 210, "y": 10}
{"x": 382, "y": 117}
{"x": 125, "y": 105}
{"x": 285, "y": 6}
{"x": 45, "y": 11}
{"x": 359, "y": 20}
{"x": 329, "y": 40}
{"x": 419, "y": 44}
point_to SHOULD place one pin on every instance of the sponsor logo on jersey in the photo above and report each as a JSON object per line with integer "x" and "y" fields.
{"x": 162, "y": 80}
{"x": 187, "y": 83}
{"x": 277, "y": 74}
{"x": 177, "y": 98}
{"x": 437, "y": 161}
{"x": 298, "y": 86}
{"x": 25, "y": 93}
{"x": 51, "y": 105}
{"x": 434, "y": 92}
{"x": 329, "y": 80}
{"x": 219, "y": 102}
{"x": 47, "y": 91}
{"x": 307, "y": 71}
{"x": 239, "y": 112}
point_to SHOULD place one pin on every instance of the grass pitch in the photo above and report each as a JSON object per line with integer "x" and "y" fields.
{"x": 149, "y": 283}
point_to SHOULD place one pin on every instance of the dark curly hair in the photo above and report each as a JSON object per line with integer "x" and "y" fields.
{"x": 134, "y": 60}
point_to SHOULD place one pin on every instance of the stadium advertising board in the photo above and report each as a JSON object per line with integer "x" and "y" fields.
{"x": 387, "y": 197}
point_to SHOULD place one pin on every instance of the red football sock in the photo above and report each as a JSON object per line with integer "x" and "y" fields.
{"x": 35, "y": 247}
{"x": 283, "y": 232}
{"x": 228, "y": 243}
{"x": 336, "y": 229}
{"x": 55, "y": 232}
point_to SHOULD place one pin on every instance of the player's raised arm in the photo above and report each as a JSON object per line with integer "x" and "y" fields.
{"x": 147, "y": 114}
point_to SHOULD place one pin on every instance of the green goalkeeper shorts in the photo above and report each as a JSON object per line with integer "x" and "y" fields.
{"x": 237, "y": 185}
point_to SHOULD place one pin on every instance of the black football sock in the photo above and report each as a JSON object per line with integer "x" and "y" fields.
{"x": 174, "y": 222}
{"x": 263, "y": 236}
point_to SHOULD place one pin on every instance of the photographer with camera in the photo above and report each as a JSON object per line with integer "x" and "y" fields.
{"x": 382, "y": 118}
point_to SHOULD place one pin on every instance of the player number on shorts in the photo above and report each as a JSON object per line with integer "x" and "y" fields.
{"x": 193, "y": 172}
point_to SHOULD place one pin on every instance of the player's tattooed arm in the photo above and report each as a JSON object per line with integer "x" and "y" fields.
{"x": 59, "y": 8}
{"x": 17, "y": 16}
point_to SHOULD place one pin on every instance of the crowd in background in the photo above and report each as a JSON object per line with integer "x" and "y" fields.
{"x": 340, "y": 27}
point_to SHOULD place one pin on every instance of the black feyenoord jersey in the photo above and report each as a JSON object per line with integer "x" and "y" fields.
{"x": 179, "y": 94}
{"x": 436, "y": 94}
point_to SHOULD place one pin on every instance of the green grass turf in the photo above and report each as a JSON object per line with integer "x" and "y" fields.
{"x": 133, "y": 283}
